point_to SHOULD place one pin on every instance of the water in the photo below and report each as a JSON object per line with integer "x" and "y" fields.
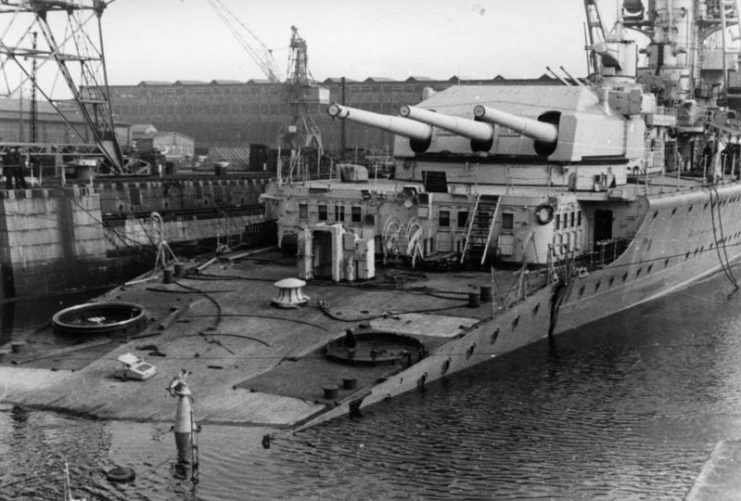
{"x": 626, "y": 408}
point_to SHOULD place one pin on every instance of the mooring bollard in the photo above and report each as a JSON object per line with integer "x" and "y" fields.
{"x": 185, "y": 429}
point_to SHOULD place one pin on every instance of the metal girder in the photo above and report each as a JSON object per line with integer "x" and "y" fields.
{"x": 70, "y": 37}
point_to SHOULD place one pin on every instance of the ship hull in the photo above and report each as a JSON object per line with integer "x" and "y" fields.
{"x": 674, "y": 247}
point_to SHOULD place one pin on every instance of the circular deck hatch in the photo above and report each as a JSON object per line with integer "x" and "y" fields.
{"x": 115, "y": 318}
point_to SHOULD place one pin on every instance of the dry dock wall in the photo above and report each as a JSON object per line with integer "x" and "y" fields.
{"x": 179, "y": 194}
{"x": 191, "y": 209}
{"x": 60, "y": 239}
{"x": 50, "y": 240}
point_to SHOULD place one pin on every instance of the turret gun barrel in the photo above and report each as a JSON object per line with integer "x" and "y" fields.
{"x": 412, "y": 129}
{"x": 476, "y": 131}
{"x": 540, "y": 131}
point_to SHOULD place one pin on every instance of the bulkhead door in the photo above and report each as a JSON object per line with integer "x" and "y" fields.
{"x": 602, "y": 225}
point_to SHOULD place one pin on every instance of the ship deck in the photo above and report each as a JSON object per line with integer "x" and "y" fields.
{"x": 251, "y": 363}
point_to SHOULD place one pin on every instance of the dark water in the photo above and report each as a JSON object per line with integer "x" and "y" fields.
{"x": 627, "y": 408}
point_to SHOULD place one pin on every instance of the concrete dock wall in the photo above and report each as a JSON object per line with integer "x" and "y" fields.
{"x": 60, "y": 239}
{"x": 179, "y": 194}
{"x": 50, "y": 239}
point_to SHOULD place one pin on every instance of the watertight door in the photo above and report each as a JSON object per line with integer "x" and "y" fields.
{"x": 602, "y": 225}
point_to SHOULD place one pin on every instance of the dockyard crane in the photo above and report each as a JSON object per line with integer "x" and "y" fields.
{"x": 259, "y": 52}
{"x": 301, "y": 91}
{"x": 70, "y": 38}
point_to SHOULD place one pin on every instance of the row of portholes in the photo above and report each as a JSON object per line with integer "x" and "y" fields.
{"x": 492, "y": 340}
{"x": 639, "y": 271}
{"x": 729, "y": 201}
{"x": 611, "y": 280}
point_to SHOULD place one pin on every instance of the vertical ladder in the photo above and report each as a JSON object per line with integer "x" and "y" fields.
{"x": 491, "y": 231}
{"x": 480, "y": 229}
{"x": 469, "y": 227}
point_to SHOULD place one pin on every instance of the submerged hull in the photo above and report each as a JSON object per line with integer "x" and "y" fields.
{"x": 677, "y": 244}
{"x": 268, "y": 366}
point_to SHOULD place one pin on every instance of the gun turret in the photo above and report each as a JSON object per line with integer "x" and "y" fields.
{"x": 544, "y": 133}
{"x": 419, "y": 134}
{"x": 480, "y": 134}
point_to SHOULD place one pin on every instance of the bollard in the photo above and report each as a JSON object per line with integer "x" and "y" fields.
{"x": 349, "y": 383}
{"x": 3, "y": 354}
{"x": 474, "y": 300}
{"x": 185, "y": 428}
{"x": 486, "y": 293}
{"x": 167, "y": 276}
{"x": 179, "y": 270}
{"x": 17, "y": 346}
{"x": 331, "y": 391}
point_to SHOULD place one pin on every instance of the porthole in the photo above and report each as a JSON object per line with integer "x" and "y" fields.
{"x": 612, "y": 280}
{"x": 666, "y": 262}
{"x": 689, "y": 209}
{"x": 469, "y": 352}
{"x": 702, "y": 249}
{"x": 581, "y": 290}
{"x": 687, "y": 256}
{"x": 656, "y": 213}
{"x": 674, "y": 211}
{"x": 650, "y": 267}
{"x": 446, "y": 367}
{"x": 705, "y": 206}
{"x": 494, "y": 336}
{"x": 536, "y": 309}
{"x": 625, "y": 276}
{"x": 596, "y": 285}
{"x": 515, "y": 322}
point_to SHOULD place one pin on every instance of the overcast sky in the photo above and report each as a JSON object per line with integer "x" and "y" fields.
{"x": 185, "y": 39}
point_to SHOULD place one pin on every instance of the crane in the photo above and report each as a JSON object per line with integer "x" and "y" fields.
{"x": 71, "y": 40}
{"x": 301, "y": 90}
{"x": 259, "y": 52}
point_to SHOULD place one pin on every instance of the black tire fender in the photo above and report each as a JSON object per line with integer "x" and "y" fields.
{"x": 120, "y": 474}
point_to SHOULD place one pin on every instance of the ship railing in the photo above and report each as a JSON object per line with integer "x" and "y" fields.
{"x": 606, "y": 251}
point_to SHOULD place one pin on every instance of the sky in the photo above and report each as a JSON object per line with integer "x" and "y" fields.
{"x": 185, "y": 39}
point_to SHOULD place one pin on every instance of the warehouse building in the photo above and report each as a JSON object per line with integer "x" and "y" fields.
{"x": 232, "y": 113}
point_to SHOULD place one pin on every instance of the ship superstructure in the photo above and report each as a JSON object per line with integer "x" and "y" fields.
{"x": 594, "y": 195}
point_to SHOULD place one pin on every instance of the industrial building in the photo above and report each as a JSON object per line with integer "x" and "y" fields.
{"x": 233, "y": 113}
{"x": 17, "y": 124}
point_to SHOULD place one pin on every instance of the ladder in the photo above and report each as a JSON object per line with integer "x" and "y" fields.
{"x": 481, "y": 223}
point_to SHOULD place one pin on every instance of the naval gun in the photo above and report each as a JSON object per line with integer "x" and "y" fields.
{"x": 543, "y": 131}
{"x": 480, "y": 134}
{"x": 419, "y": 134}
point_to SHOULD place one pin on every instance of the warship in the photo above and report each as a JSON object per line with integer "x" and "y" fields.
{"x": 515, "y": 214}
{"x": 544, "y": 207}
